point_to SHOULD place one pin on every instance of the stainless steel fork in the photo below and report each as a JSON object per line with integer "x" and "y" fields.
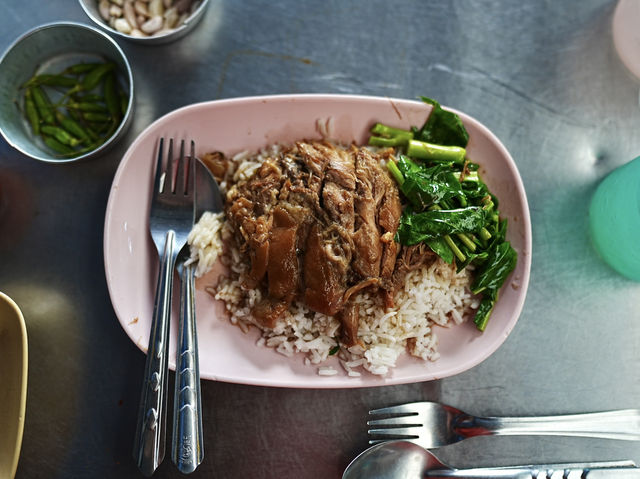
{"x": 170, "y": 220}
{"x": 431, "y": 424}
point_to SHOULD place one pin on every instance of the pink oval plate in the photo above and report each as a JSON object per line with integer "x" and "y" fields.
{"x": 234, "y": 125}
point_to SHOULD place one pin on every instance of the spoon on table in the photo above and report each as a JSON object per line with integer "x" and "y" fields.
{"x": 187, "y": 449}
{"x": 406, "y": 460}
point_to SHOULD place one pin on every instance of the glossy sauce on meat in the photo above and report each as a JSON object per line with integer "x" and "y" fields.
{"x": 317, "y": 224}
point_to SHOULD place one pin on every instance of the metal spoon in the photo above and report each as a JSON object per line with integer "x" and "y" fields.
{"x": 406, "y": 460}
{"x": 187, "y": 449}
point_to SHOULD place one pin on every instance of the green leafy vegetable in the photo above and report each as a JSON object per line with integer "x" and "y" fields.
{"x": 418, "y": 227}
{"x": 495, "y": 268}
{"x": 484, "y": 311}
{"x": 424, "y": 186}
{"x": 450, "y": 208}
{"x": 440, "y": 247}
{"x": 442, "y": 127}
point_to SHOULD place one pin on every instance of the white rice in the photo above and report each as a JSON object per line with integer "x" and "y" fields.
{"x": 432, "y": 295}
{"x": 205, "y": 241}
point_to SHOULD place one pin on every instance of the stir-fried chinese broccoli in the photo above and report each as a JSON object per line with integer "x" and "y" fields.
{"x": 449, "y": 207}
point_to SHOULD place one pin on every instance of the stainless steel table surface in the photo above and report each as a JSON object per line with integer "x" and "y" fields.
{"x": 543, "y": 76}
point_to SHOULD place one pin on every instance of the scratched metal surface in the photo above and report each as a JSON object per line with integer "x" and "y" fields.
{"x": 544, "y": 76}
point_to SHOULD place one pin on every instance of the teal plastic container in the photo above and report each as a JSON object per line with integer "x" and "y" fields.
{"x": 614, "y": 219}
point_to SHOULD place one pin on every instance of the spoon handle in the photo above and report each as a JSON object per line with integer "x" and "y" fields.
{"x": 187, "y": 443}
{"x": 596, "y": 470}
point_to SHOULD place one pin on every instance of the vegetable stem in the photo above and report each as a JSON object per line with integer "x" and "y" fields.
{"x": 432, "y": 152}
{"x": 391, "y": 132}
{"x": 395, "y": 172}
{"x": 454, "y": 247}
{"x": 467, "y": 241}
{"x": 385, "y": 142}
{"x": 388, "y": 136}
{"x": 484, "y": 312}
{"x": 470, "y": 176}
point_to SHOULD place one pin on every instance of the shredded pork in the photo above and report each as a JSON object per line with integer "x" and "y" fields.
{"x": 317, "y": 223}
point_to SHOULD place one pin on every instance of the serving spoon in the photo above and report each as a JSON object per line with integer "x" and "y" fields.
{"x": 406, "y": 460}
{"x": 187, "y": 449}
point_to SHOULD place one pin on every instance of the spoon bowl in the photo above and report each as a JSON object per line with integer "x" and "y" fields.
{"x": 393, "y": 459}
{"x": 406, "y": 460}
{"x": 208, "y": 196}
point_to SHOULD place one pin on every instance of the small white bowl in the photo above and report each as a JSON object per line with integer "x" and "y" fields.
{"x": 90, "y": 7}
{"x": 13, "y": 384}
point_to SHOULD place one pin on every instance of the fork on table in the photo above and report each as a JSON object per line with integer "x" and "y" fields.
{"x": 431, "y": 424}
{"x": 171, "y": 218}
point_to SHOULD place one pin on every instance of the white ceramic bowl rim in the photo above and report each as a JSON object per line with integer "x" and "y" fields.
{"x": 129, "y": 75}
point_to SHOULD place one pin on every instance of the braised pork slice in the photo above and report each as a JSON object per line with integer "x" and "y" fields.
{"x": 366, "y": 238}
{"x": 378, "y": 210}
{"x": 249, "y": 208}
{"x": 389, "y": 212}
{"x": 282, "y": 267}
{"x": 317, "y": 223}
{"x": 324, "y": 276}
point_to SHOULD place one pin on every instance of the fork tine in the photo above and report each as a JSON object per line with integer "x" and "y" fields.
{"x": 157, "y": 187}
{"x": 191, "y": 183}
{"x": 181, "y": 172}
{"x": 169, "y": 173}
{"x": 401, "y": 409}
{"x": 401, "y": 432}
{"x": 396, "y": 421}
